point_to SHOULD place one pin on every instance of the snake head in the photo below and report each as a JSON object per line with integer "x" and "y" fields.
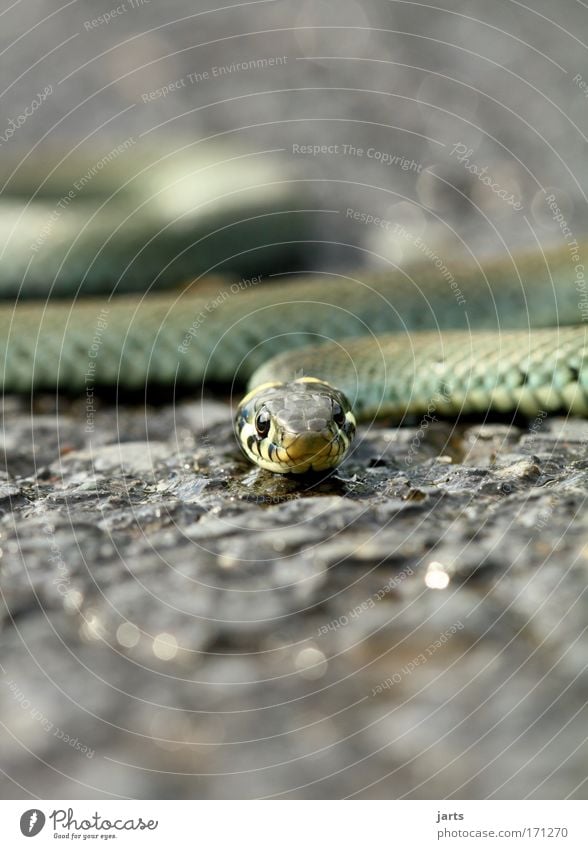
{"x": 303, "y": 426}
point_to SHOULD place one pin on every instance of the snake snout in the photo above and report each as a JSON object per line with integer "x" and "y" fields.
{"x": 309, "y": 444}
{"x": 311, "y": 451}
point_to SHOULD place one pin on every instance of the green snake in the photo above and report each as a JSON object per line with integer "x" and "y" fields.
{"x": 318, "y": 351}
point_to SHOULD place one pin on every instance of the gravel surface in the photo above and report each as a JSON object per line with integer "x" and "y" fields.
{"x": 179, "y": 624}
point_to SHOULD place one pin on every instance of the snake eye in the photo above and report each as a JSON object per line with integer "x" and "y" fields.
{"x": 338, "y": 414}
{"x": 262, "y": 423}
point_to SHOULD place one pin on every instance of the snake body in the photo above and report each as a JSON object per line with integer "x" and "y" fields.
{"x": 393, "y": 342}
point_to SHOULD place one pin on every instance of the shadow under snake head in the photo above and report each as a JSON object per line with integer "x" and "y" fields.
{"x": 303, "y": 426}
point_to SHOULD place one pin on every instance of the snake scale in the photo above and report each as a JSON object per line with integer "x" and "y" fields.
{"x": 392, "y": 341}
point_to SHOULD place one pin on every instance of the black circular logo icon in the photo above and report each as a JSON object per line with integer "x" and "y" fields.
{"x": 32, "y": 822}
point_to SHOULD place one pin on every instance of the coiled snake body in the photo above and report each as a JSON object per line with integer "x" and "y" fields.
{"x": 391, "y": 342}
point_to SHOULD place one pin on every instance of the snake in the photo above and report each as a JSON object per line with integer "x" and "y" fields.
{"x": 112, "y": 290}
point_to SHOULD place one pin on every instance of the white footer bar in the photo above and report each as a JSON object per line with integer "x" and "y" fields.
{"x": 295, "y": 824}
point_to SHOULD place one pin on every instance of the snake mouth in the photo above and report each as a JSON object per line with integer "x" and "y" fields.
{"x": 310, "y": 451}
